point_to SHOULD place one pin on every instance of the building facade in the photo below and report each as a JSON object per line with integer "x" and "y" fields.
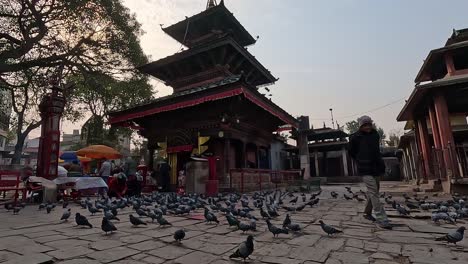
{"x": 436, "y": 144}
{"x": 216, "y": 109}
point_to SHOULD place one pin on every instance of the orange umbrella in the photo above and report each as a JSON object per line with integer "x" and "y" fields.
{"x": 84, "y": 159}
{"x": 99, "y": 152}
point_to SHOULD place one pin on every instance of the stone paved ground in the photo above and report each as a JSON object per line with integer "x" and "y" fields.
{"x": 34, "y": 237}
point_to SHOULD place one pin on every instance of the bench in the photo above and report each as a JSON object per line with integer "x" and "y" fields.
{"x": 11, "y": 181}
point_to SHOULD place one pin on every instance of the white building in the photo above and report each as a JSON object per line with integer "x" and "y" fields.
{"x": 5, "y": 114}
{"x": 69, "y": 140}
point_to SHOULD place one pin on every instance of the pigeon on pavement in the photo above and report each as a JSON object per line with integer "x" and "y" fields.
{"x": 453, "y": 237}
{"x": 210, "y": 217}
{"x": 107, "y": 225}
{"x": 163, "y": 222}
{"x": 66, "y": 215}
{"x": 179, "y": 235}
{"x": 245, "y": 249}
{"x": 330, "y": 230}
{"x": 334, "y": 194}
{"x": 287, "y": 220}
{"x": 93, "y": 210}
{"x": 276, "y": 230}
{"x": 232, "y": 221}
{"x": 110, "y": 216}
{"x": 81, "y": 220}
{"x": 136, "y": 221}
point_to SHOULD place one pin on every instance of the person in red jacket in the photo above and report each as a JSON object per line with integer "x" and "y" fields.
{"x": 117, "y": 186}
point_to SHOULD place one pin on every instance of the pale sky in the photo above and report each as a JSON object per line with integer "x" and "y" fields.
{"x": 349, "y": 55}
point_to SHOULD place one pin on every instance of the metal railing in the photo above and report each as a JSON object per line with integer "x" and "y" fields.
{"x": 245, "y": 180}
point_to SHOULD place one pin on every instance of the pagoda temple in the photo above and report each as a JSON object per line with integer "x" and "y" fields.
{"x": 216, "y": 108}
{"x": 435, "y": 146}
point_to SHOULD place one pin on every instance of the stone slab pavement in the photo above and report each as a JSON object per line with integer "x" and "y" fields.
{"x": 34, "y": 236}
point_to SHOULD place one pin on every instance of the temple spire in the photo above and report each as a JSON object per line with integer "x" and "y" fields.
{"x": 210, "y": 4}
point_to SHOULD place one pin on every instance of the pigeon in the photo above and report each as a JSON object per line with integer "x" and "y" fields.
{"x": 287, "y": 220}
{"x": 163, "y": 222}
{"x": 253, "y": 225}
{"x": 244, "y": 227}
{"x": 334, "y": 194}
{"x": 107, "y": 225}
{"x": 348, "y": 189}
{"x": 436, "y": 217}
{"x": 110, "y": 216}
{"x": 152, "y": 215}
{"x": 66, "y": 215}
{"x": 294, "y": 200}
{"x": 401, "y": 210}
{"x": 41, "y": 206}
{"x": 16, "y": 210}
{"x": 294, "y": 227}
{"x": 330, "y": 230}
{"x": 264, "y": 214}
{"x": 136, "y": 221}
{"x": 49, "y": 208}
{"x": 453, "y": 237}
{"x": 301, "y": 207}
{"x": 93, "y": 210}
{"x": 232, "y": 221}
{"x": 65, "y": 204}
{"x": 81, "y": 220}
{"x": 359, "y": 199}
{"x": 347, "y": 197}
{"x": 179, "y": 235}
{"x": 210, "y": 217}
{"x": 141, "y": 213}
{"x": 245, "y": 249}
{"x": 276, "y": 230}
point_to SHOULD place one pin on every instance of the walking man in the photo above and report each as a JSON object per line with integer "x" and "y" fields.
{"x": 364, "y": 148}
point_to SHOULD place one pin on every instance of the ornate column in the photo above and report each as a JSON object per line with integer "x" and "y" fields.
{"x": 51, "y": 109}
{"x": 446, "y": 137}
{"x": 425, "y": 148}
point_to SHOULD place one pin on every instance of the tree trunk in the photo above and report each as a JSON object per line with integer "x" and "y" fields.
{"x": 18, "y": 149}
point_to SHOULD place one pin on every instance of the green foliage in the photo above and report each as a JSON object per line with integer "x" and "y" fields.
{"x": 95, "y": 43}
{"x": 352, "y": 126}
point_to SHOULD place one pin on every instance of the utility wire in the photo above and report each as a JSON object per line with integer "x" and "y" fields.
{"x": 365, "y": 112}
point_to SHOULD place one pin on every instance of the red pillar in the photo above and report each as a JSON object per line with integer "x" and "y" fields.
{"x": 445, "y": 131}
{"x": 425, "y": 148}
{"x": 212, "y": 183}
{"x": 435, "y": 127}
{"x": 449, "y": 64}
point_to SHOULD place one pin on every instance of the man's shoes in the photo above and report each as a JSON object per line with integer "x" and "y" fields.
{"x": 384, "y": 225}
{"x": 369, "y": 217}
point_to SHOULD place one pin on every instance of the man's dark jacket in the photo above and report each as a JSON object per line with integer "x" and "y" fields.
{"x": 364, "y": 148}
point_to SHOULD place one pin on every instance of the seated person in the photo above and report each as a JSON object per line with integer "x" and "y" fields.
{"x": 117, "y": 186}
{"x": 75, "y": 168}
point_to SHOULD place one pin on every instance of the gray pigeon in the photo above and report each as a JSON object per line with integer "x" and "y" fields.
{"x": 93, "y": 210}
{"x": 152, "y": 215}
{"x": 330, "y": 230}
{"x": 136, "y": 221}
{"x": 245, "y": 249}
{"x": 66, "y": 215}
{"x": 110, "y": 216}
{"x": 210, "y": 217}
{"x": 163, "y": 222}
{"x": 179, "y": 235}
{"x": 276, "y": 230}
{"x": 453, "y": 237}
{"x": 436, "y": 217}
{"x": 141, "y": 213}
{"x": 107, "y": 225}
{"x": 81, "y": 220}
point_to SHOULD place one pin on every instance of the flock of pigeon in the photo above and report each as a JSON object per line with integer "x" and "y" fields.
{"x": 238, "y": 210}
